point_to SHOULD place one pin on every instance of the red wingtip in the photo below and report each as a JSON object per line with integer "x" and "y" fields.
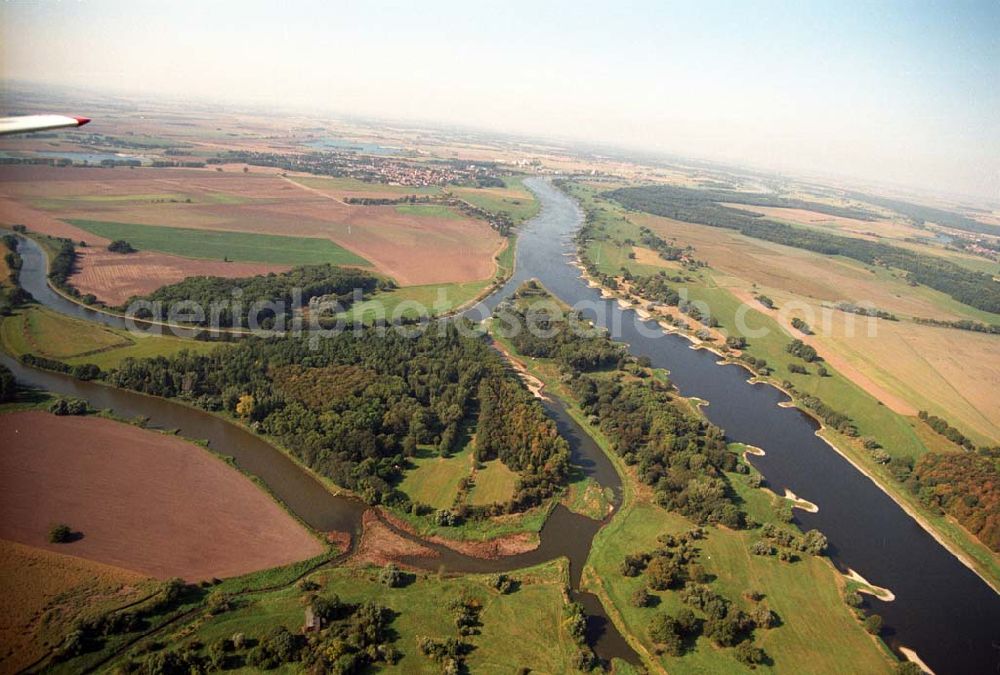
{"x": 82, "y": 120}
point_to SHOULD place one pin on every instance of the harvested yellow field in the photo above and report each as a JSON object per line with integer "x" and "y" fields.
{"x": 809, "y": 275}
{"x": 43, "y": 593}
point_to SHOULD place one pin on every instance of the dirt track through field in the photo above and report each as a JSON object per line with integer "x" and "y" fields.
{"x": 144, "y": 501}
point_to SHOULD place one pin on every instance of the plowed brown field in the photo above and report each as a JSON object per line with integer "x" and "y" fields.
{"x": 143, "y": 501}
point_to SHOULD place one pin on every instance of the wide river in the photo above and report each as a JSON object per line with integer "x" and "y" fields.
{"x": 942, "y": 610}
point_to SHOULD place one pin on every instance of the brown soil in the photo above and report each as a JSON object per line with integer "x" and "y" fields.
{"x": 114, "y": 277}
{"x": 511, "y": 544}
{"x": 379, "y": 545}
{"x": 143, "y": 501}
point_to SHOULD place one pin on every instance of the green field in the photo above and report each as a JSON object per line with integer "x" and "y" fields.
{"x": 514, "y": 200}
{"x": 219, "y": 245}
{"x": 429, "y": 211}
{"x": 40, "y": 331}
{"x": 354, "y": 185}
{"x": 818, "y": 633}
{"x": 494, "y": 484}
{"x": 506, "y": 641}
{"x": 411, "y": 301}
{"x": 434, "y": 479}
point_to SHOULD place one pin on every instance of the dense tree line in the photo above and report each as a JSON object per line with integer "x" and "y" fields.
{"x": 695, "y": 198}
{"x": 233, "y": 298}
{"x": 62, "y": 265}
{"x": 353, "y": 407}
{"x": 655, "y": 287}
{"x": 942, "y": 427}
{"x": 966, "y": 486}
{"x": 975, "y": 289}
{"x": 8, "y": 384}
{"x": 921, "y": 214}
{"x": 962, "y": 324}
{"x": 831, "y": 417}
{"x": 851, "y": 308}
{"x": 681, "y": 456}
{"x": 513, "y": 428}
{"x": 11, "y": 294}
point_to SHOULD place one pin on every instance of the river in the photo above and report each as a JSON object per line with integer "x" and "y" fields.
{"x": 942, "y": 609}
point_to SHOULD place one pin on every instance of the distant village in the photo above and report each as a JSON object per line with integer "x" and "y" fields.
{"x": 375, "y": 169}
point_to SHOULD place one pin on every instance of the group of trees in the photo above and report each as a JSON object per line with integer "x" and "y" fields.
{"x": 942, "y": 427}
{"x": 354, "y": 637}
{"x": 805, "y": 352}
{"x": 680, "y": 455}
{"x": 786, "y": 545}
{"x": 228, "y": 302}
{"x": 8, "y": 384}
{"x": 965, "y": 485}
{"x": 513, "y": 428}
{"x": 353, "y": 407}
{"x": 542, "y": 330}
{"x": 655, "y": 287}
{"x": 851, "y": 308}
{"x": 667, "y": 251}
{"x": 121, "y": 246}
{"x": 975, "y": 289}
{"x": 962, "y": 324}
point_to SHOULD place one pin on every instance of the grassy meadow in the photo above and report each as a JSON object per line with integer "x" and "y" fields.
{"x": 514, "y": 199}
{"x": 434, "y": 480}
{"x": 505, "y": 642}
{"x": 40, "y": 331}
{"x": 352, "y": 185}
{"x": 221, "y": 245}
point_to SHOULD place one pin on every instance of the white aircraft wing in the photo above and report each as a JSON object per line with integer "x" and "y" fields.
{"x": 29, "y": 123}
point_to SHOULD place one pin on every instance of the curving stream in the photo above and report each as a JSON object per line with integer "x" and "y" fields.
{"x": 942, "y": 610}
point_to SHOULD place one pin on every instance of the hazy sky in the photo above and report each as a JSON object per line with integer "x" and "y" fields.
{"x": 906, "y": 92}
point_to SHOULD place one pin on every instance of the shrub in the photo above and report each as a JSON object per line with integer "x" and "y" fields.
{"x": 121, "y": 246}
{"x": 60, "y": 534}
{"x": 749, "y": 654}
{"x": 504, "y": 583}
{"x": 68, "y": 406}
{"x": 641, "y": 598}
{"x": 873, "y": 624}
{"x": 391, "y": 576}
